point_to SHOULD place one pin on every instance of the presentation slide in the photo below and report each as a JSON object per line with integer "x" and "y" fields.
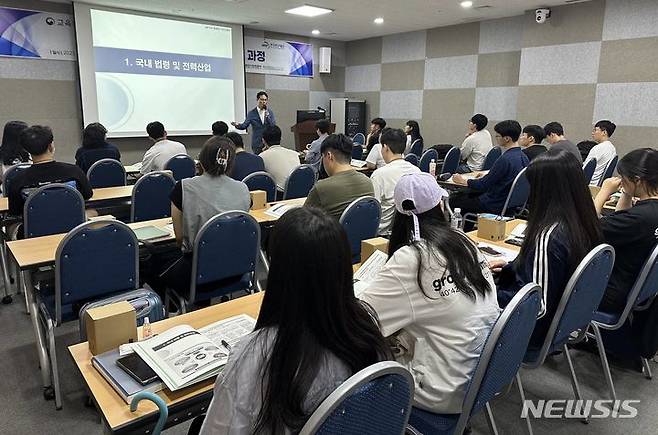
{"x": 136, "y": 69}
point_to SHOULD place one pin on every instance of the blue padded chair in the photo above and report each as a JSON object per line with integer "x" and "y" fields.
{"x": 491, "y": 158}
{"x": 518, "y": 194}
{"x": 361, "y": 221}
{"x": 588, "y": 169}
{"x": 10, "y": 174}
{"x": 426, "y": 159}
{"x": 107, "y": 173}
{"x": 359, "y": 138}
{"x": 609, "y": 170}
{"x": 412, "y": 158}
{"x": 575, "y": 311}
{"x": 95, "y": 260}
{"x": 150, "y": 197}
{"x": 496, "y": 368}
{"x": 53, "y": 209}
{"x": 300, "y": 182}
{"x": 261, "y": 180}
{"x": 416, "y": 147}
{"x": 181, "y": 166}
{"x": 224, "y": 259}
{"x": 375, "y": 400}
{"x": 357, "y": 152}
{"x": 451, "y": 161}
{"x": 639, "y": 298}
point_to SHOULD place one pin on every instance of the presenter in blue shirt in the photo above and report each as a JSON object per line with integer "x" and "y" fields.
{"x": 258, "y": 118}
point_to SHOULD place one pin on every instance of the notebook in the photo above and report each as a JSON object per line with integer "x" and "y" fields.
{"x": 151, "y": 232}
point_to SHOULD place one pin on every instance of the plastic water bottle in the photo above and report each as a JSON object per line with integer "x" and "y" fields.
{"x": 433, "y": 167}
{"x": 456, "y": 222}
{"x": 147, "y": 332}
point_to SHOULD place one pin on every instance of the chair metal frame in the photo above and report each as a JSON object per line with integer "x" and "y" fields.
{"x": 254, "y": 285}
{"x": 589, "y": 167}
{"x": 360, "y": 143}
{"x": 262, "y": 173}
{"x": 632, "y": 304}
{"x": 595, "y": 253}
{"x": 45, "y": 317}
{"x": 449, "y": 155}
{"x": 351, "y": 385}
{"x": 104, "y": 161}
{"x": 411, "y": 147}
{"x": 302, "y": 167}
{"x": 34, "y": 194}
{"x": 141, "y": 180}
{"x": 609, "y": 170}
{"x": 11, "y": 169}
{"x": 427, "y": 152}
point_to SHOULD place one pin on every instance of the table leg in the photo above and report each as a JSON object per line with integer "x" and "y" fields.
{"x": 44, "y": 361}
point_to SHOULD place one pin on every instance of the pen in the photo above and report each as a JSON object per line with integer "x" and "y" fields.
{"x": 226, "y": 345}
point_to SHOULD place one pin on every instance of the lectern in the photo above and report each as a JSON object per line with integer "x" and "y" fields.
{"x": 305, "y": 133}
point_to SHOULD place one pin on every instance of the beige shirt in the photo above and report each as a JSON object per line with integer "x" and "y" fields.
{"x": 384, "y": 180}
{"x": 279, "y": 163}
{"x": 475, "y": 148}
{"x": 159, "y": 154}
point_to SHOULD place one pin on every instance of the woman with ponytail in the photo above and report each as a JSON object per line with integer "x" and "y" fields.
{"x": 435, "y": 297}
{"x": 194, "y": 201}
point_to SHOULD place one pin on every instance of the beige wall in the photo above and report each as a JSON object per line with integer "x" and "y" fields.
{"x": 591, "y": 61}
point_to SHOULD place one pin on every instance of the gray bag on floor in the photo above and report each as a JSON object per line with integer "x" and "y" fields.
{"x": 147, "y": 303}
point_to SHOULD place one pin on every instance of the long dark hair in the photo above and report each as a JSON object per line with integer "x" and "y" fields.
{"x": 11, "y": 149}
{"x": 641, "y": 165}
{"x": 559, "y": 195}
{"x": 314, "y": 311}
{"x": 415, "y": 130}
{"x": 448, "y": 248}
{"x": 93, "y": 136}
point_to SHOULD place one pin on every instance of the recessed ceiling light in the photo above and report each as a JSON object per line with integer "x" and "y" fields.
{"x": 379, "y": 20}
{"x": 308, "y": 11}
{"x": 466, "y": 4}
{"x": 315, "y": 32}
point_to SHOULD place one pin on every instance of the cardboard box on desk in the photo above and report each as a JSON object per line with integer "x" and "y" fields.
{"x": 258, "y": 199}
{"x": 369, "y": 246}
{"x": 110, "y": 326}
{"x": 491, "y": 227}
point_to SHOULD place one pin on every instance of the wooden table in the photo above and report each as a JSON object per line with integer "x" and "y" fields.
{"x": 183, "y": 404}
{"x": 262, "y": 217}
{"x": 509, "y": 226}
{"x": 100, "y": 194}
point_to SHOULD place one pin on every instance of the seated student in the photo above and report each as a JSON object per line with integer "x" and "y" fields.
{"x": 162, "y": 150}
{"x": 38, "y": 141}
{"x": 488, "y": 193}
{"x": 434, "y": 297}
{"x": 476, "y": 146}
{"x": 279, "y": 161}
{"x": 344, "y": 184}
{"x": 633, "y": 229}
{"x": 374, "y": 159}
{"x": 95, "y": 147}
{"x": 11, "y": 151}
{"x": 412, "y": 130}
{"x": 194, "y": 201}
{"x": 311, "y": 334}
{"x": 604, "y": 151}
{"x": 314, "y": 156}
{"x": 385, "y": 178}
{"x": 530, "y": 141}
{"x": 562, "y": 229}
{"x": 555, "y": 137}
{"x": 245, "y": 163}
{"x": 219, "y": 128}
{"x": 376, "y": 127}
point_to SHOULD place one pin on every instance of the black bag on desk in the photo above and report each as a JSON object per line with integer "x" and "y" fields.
{"x": 442, "y": 149}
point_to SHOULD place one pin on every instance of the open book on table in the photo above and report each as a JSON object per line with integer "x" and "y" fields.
{"x": 182, "y": 355}
{"x": 368, "y": 271}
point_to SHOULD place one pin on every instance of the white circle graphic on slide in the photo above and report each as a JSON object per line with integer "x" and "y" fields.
{"x": 115, "y": 101}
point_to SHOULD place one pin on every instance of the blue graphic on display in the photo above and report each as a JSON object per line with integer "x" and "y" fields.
{"x": 121, "y": 60}
{"x": 13, "y": 42}
{"x": 301, "y": 63}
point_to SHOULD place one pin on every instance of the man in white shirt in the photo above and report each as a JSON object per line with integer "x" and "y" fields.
{"x": 375, "y": 160}
{"x": 279, "y": 161}
{"x": 476, "y": 146}
{"x": 385, "y": 178}
{"x": 604, "y": 151}
{"x": 162, "y": 150}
